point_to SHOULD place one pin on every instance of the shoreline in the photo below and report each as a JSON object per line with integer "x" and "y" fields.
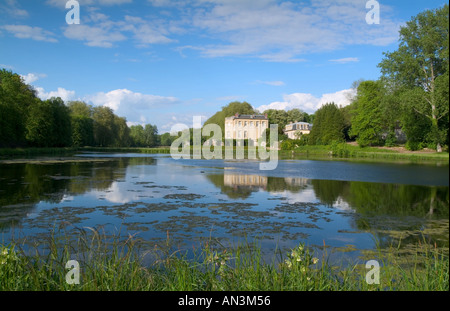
{"x": 341, "y": 153}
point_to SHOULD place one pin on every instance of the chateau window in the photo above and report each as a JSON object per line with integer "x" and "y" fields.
{"x": 251, "y": 123}
{"x": 240, "y": 123}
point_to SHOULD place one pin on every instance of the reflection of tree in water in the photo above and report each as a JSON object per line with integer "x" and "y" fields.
{"x": 388, "y": 209}
{"x": 372, "y": 199}
{"x": 24, "y": 185}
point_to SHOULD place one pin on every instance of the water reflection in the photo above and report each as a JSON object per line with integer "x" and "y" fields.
{"x": 153, "y": 195}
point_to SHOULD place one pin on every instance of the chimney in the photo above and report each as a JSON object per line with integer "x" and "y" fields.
{"x": 236, "y": 115}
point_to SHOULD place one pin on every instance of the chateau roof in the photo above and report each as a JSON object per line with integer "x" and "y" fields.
{"x": 248, "y": 116}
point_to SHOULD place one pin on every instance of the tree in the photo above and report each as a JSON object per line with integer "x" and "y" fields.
{"x": 166, "y": 139}
{"x": 151, "y": 136}
{"x": 82, "y": 123}
{"x": 279, "y": 117}
{"x": 367, "y": 119}
{"x": 122, "y": 132}
{"x": 39, "y": 125}
{"x": 329, "y": 125}
{"x": 137, "y": 135}
{"x": 48, "y": 124}
{"x": 420, "y": 68}
{"x": 15, "y": 99}
{"x": 104, "y": 126}
{"x": 228, "y": 111}
{"x": 61, "y": 122}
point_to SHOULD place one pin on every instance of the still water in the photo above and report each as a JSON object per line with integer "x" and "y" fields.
{"x": 347, "y": 206}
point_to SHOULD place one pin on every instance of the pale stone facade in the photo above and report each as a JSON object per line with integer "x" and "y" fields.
{"x": 245, "y": 127}
{"x": 294, "y": 130}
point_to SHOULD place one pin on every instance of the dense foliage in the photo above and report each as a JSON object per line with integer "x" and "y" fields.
{"x": 26, "y": 120}
{"x": 410, "y": 102}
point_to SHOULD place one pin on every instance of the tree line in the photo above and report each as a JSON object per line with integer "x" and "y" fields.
{"x": 410, "y": 99}
{"x": 28, "y": 121}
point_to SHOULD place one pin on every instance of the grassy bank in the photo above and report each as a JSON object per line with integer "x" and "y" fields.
{"x": 336, "y": 151}
{"x": 165, "y": 150}
{"x": 27, "y": 152}
{"x": 112, "y": 264}
{"x": 347, "y": 151}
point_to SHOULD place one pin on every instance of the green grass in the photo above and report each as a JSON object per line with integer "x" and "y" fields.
{"x": 26, "y": 152}
{"x": 112, "y": 264}
{"x": 334, "y": 151}
{"x": 165, "y": 150}
{"x": 346, "y": 151}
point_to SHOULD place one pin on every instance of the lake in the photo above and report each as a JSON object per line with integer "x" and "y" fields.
{"x": 347, "y": 206}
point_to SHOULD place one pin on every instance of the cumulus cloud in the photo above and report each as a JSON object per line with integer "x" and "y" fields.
{"x": 132, "y": 105}
{"x": 65, "y": 95}
{"x": 32, "y": 77}
{"x": 308, "y": 102}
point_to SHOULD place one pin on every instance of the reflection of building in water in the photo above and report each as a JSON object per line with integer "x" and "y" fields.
{"x": 264, "y": 182}
{"x": 234, "y": 180}
{"x": 296, "y": 182}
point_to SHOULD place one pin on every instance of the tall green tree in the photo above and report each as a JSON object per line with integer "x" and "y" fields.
{"x": 420, "y": 69}
{"x": 329, "y": 125}
{"x": 104, "y": 126}
{"x": 137, "y": 135}
{"x": 122, "y": 132}
{"x": 82, "y": 123}
{"x": 48, "y": 124}
{"x": 151, "y": 138}
{"x": 228, "y": 111}
{"x": 367, "y": 122}
{"x": 15, "y": 99}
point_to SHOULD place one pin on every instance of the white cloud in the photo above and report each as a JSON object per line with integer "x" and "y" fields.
{"x": 62, "y": 3}
{"x": 99, "y": 36}
{"x": 132, "y": 105}
{"x": 282, "y": 30}
{"x": 271, "y": 83}
{"x": 9, "y": 67}
{"x": 32, "y": 77}
{"x": 345, "y": 60}
{"x": 65, "y": 95}
{"x": 180, "y": 121}
{"x": 28, "y": 32}
{"x": 99, "y": 30}
{"x": 12, "y": 8}
{"x": 308, "y": 102}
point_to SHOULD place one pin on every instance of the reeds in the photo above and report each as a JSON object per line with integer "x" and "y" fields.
{"x": 114, "y": 263}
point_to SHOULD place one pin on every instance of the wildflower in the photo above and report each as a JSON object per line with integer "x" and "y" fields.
{"x": 288, "y": 263}
{"x": 315, "y": 260}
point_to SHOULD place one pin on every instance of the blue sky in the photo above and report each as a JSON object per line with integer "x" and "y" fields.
{"x": 165, "y": 61}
